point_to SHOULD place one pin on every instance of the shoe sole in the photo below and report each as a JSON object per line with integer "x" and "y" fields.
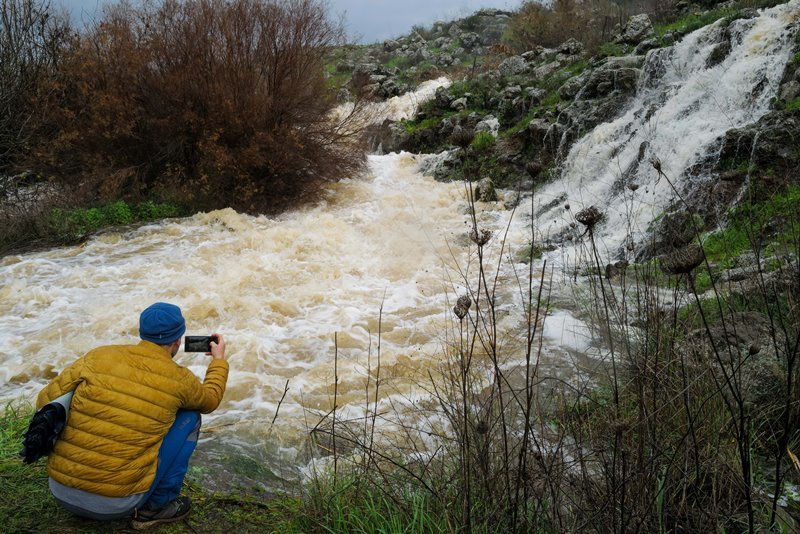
{"x": 142, "y": 525}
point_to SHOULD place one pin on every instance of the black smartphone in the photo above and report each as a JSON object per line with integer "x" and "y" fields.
{"x": 198, "y": 343}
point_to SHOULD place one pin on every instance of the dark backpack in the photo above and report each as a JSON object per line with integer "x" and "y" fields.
{"x": 43, "y": 431}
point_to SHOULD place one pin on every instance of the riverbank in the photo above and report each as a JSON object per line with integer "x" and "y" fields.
{"x": 27, "y": 506}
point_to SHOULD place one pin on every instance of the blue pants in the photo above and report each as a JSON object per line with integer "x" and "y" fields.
{"x": 173, "y": 460}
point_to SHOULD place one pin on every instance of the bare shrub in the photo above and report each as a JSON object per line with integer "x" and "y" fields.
{"x": 591, "y": 23}
{"x": 32, "y": 42}
{"x": 220, "y": 103}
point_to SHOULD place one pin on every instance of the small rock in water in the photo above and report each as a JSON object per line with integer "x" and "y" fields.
{"x": 683, "y": 260}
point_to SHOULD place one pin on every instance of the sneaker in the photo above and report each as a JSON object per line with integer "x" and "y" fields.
{"x": 175, "y": 510}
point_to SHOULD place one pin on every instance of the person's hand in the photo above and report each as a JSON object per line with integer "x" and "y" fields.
{"x": 217, "y": 348}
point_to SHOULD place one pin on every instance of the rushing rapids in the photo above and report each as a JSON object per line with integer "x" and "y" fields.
{"x": 373, "y": 269}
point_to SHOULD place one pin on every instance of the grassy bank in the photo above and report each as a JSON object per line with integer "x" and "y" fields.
{"x": 51, "y": 224}
{"x": 27, "y": 506}
{"x": 344, "y": 505}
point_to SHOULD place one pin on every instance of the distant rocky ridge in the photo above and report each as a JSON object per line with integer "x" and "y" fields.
{"x": 392, "y": 67}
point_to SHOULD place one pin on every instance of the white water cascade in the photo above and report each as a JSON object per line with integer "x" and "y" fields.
{"x": 387, "y": 251}
{"x": 681, "y": 110}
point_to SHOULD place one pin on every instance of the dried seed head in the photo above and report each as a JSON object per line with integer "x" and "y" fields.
{"x": 533, "y": 169}
{"x": 480, "y": 237}
{"x": 589, "y": 217}
{"x": 754, "y": 349}
{"x": 656, "y": 163}
{"x": 462, "y": 306}
{"x": 683, "y": 261}
{"x": 462, "y": 137}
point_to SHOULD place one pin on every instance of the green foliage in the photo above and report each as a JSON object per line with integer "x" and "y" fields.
{"x": 71, "y": 224}
{"x": 354, "y": 504}
{"x": 483, "y": 142}
{"x": 613, "y": 49}
{"x": 693, "y": 21}
{"x": 25, "y": 501}
{"x": 413, "y": 126}
{"x": 769, "y": 225}
{"x": 401, "y": 62}
{"x": 792, "y": 105}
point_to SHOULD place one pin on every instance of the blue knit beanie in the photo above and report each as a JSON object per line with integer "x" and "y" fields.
{"x": 161, "y": 323}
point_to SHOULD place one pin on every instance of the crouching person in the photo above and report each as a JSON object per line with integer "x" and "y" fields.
{"x": 133, "y": 424}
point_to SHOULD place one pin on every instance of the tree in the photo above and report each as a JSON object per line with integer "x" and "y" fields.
{"x": 224, "y": 103}
{"x": 32, "y": 42}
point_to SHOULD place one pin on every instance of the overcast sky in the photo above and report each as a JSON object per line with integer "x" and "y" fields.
{"x": 367, "y": 20}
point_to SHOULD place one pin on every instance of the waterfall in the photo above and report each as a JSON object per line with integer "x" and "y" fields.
{"x": 688, "y": 96}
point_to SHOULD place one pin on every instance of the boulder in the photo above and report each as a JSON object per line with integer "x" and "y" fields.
{"x": 543, "y": 71}
{"x": 470, "y": 41}
{"x": 571, "y": 47}
{"x": 790, "y": 90}
{"x": 390, "y": 45}
{"x": 769, "y": 135}
{"x": 535, "y": 95}
{"x": 484, "y": 191}
{"x": 636, "y": 29}
{"x": 443, "y": 98}
{"x": 512, "y": 66}
{"x": 570, "y": 89}
{"x": 488, "y": 124}
{"x": 386, "y": 137}
{"x": 459, "y": 104}
{"x": 672, "y": 232}
{"x": 440, "y": 165}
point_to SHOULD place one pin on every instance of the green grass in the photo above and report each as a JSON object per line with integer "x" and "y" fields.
{"x": 792, "y": 105}
{"x": 483, "y": 142}
{"x": 613, "y": 49}
{"x": 693, "y": 21}
{"x": 75, "y": 223}
{"x": 769, "y": 224}
{"x": 352, "y": 506}
{"x": 27, "y": 505}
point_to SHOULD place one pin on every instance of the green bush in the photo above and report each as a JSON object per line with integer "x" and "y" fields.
{"x": 76, "y": 223}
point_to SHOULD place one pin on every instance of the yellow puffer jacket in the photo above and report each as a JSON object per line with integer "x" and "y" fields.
{"x": 126, "y": 397}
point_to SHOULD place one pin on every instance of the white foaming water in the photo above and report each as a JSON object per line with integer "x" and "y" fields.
{"x": 681, "y": 110}
{"x": 279, "y": 289}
